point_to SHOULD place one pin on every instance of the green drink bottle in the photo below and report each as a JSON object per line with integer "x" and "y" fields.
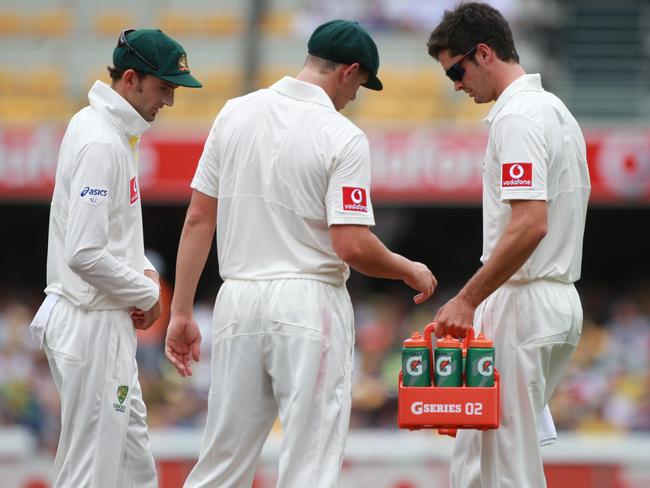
{"x": 480, "y": 362}
{"x": 415, "y": 361}
{"x": 448, "y": 361}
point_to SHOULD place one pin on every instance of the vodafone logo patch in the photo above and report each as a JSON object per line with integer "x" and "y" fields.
{"x": 354, "y": 199}
{"x": 133, "y": 190}
{"x": 516, "y": 175}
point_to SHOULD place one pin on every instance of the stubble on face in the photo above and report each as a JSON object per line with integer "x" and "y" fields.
{"x": 150, "y": 95}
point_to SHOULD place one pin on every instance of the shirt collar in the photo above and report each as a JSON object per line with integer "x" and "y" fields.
{"x": 532, "y": 82}
{"x": 109, "y": 103}
{"x": 301, "y": 90}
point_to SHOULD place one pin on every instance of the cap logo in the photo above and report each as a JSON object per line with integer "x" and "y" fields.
{"x": 182, "y": 63}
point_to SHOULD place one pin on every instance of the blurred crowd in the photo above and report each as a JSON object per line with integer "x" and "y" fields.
{"x": 607, "y": 387}
{"x": 391, "y": 15}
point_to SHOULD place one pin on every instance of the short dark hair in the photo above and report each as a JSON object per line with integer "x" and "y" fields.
{"x": 470, "y": 24}
{"x": 327, "y": 65}
{"x": 116, "y": 73}
{"x": 324, "y": 65}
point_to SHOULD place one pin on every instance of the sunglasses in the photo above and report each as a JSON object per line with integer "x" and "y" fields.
{"x": 122, "y": 42}
{"x": 456, "y": 70}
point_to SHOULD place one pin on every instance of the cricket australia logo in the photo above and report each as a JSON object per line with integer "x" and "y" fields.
{"x": 122, "y": 392}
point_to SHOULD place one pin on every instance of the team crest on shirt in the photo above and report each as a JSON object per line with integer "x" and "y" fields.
{"x": 516, "y": 175}
{"x": 354, "y": 199}
{"x": 122, "y": 392}
{"x": 134, "y": 191}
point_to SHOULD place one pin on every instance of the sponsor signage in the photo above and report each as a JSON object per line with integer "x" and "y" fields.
{"x": 354, "y": 199}
{"x": 432, "y": 166}
{"x": 516, "y": 175}
{"x": 133, "y": 190}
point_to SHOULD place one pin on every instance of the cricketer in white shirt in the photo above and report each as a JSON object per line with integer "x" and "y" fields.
{"x": 536, "y": 151}
{"x": 286, "y": 177}
{"x": 95, "y": 266}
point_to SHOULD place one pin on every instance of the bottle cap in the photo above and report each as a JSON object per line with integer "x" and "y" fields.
{"x": 416, "y": 340}
{"x": 480, "y": 341}
{"x": 448, "y": 341}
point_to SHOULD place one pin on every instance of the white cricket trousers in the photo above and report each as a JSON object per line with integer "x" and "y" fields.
{"x": 104, "y": 441}
{"x": 279, "y": 347}
{"x": 535, "y": 327}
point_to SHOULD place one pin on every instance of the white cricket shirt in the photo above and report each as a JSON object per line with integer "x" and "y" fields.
{"x": 284, "y": 165}
{"x": 95, "y": 255}
{"x": 536, "y": 151}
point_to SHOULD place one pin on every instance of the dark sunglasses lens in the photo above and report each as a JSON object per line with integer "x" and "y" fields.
{"x": 455, "y": 72}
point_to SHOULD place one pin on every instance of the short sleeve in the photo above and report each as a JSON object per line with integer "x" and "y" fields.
{"x": 348, "y": 193}
{"x": 206, "y": 177}
{"x": 523, "y": 158}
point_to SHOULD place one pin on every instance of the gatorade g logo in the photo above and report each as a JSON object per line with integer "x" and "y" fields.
{"x": 443, "y": 365}
{"x": 485, "y": 366}
{"x": 414, "y": 366}
{"x": 416, "y": 408}
{"x": 354, "y": 199}
{"x": 516, "y": 175}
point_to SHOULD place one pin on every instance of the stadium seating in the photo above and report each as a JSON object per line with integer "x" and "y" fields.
{"x": 414, "y": 93}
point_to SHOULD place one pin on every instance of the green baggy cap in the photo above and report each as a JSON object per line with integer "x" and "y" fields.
{"x": 345, "y": 41}
{"x": 153, "y": 52}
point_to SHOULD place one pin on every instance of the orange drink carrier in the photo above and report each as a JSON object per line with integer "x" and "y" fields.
{"x": 448, "y": 408}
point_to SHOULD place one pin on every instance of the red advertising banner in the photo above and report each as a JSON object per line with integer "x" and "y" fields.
{"x": 417, "y": 166}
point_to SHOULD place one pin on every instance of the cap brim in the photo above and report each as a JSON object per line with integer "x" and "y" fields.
{"x": 183, "y": 79}
{"x": 373, "y": 83}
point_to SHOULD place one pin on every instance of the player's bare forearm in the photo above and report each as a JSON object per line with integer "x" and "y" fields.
{"x": 524, "y": 232}
{"x": 364, "y": 252}
{"x": 527, "y": 227}
{"x": 195, "y": 243}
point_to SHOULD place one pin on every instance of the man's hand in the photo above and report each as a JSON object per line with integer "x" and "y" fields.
{"x": 144, "y": 320}
{"x": 421, "y": 278}
{"x": 454, "y": 318}
{"x": 183, "y": 343}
